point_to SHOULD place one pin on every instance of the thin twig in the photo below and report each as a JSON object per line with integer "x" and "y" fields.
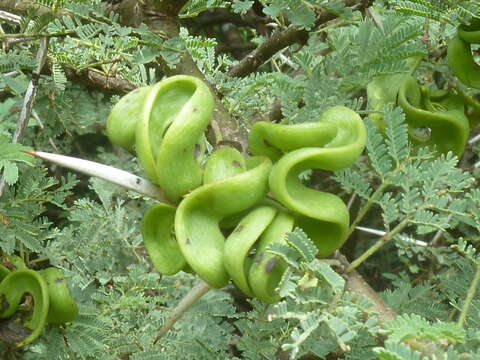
{"x": 105, "y": 172}
{"x": 281, "y": 40}
{"x": 24, "y": 37}
{"x": 382, "y": 241}
{"x": 468, "y": 300}
{"x": 278, "y": 41}
{"x": 40, "y": 123}
{"x": 195, "y": 293}
{"x": 439, "y": 233}
{"x": 28, "y": 100}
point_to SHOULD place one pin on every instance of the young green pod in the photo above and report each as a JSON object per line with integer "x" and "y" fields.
{"x": 323, "y": 216}
{"x": 199, "y": 214}
{"x": 444, "y": 115}
{"x": 12, "y": 289}
{"x": 62, "y": 306}
{"x": 459, "y": 54}
{"x": 165, "y": 124}
{"x": 267, "y": 269}
{"x": 240, "y": 242}
{"x": 124, "y": 116}
{"x": 159, "y": 239}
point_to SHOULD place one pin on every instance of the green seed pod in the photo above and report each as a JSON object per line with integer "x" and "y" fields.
{"x": 443, "y": 114}
{"x": 166, "y": 122}
{"x": 267, "y": 269}
{"x": 159, "y": 239}
{"x": 323, "y": 216}
{"x": 199, "y": 214}
{"x": 176, "y": 113}
{"x": 459, "y": 54}
{"x": 382, "y": 91}
{"x": 241, "y": 241}
{"x": 12, "y": 289}
{"x": 124, "y": 117}
{"x": 62, "y": 307}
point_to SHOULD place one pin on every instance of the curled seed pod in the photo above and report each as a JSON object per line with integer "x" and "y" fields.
{"x": 323, "y": 216}
{"x": 62, "y": 307}
{"x": 459, "y": 54}
{"x": 267, "y": 269}
{"x": 442, "y": 113}
{"x": 123, "y": 118}
{"x": 159, "y": 239}
{"x": 166, "y": 122}
{"x": 240, "y": 242}
{"x": 382, "y": 91}
{"x": 199, "y": 214}
{"x": 12, "y": 289}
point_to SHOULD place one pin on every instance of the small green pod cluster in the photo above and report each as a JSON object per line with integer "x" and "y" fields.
{"x": 224, "y": 223}
{"x": 52, "y": 302}
{"x": 435, "y": 118}
{"x": 441, "y": 112}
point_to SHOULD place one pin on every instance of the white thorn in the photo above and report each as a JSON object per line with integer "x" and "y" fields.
{"x": 381, "y": 233}
{"x": 105, "y": 172}
{"x": 474, "y": 139}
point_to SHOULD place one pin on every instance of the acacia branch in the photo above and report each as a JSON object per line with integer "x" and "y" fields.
{"x": 195, "y": 293}
{"x": 278, "y": 41}
{"x": 28, "y": 100}
{"x": 281, "y": 40}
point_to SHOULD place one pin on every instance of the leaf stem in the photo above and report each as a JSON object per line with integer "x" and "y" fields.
{"x": 364, "y": 209}
{"x": 195, "y": 293}
{"x": 382, "y": 241}
{"x": 470, "y": 294}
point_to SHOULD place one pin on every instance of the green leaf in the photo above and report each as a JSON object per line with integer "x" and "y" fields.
{"x": 298, "y": 240}
{"x": 10, "y": 171}
{"x": 397, "y": 351}
{"x": 241, "y": 6}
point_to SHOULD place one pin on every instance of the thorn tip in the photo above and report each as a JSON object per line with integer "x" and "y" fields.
{"x": 30, "y": 152}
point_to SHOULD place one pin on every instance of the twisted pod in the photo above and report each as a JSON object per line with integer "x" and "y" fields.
{"x": 51, "y": 301}
{"x": 165, "y": 125}
{"x": 334, "y": 142}
{"x": 459, "y": 54}
{"x": 442, "y": 113}
{"x": 241, "y": 184}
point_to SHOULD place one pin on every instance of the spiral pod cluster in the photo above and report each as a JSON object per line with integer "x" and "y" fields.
{"x": 437, "y": 119}
{"x": 52, "y": 302}
{"x": 224, "y": 220}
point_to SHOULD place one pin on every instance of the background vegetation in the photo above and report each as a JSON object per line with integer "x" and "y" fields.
{"x": 64, "y": 63}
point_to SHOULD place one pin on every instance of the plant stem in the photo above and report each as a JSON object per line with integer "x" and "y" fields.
{"x": 470, "y": 294}
{"x": 28, "y": 100}
{"x": 195, "y": 293}
{"x": 364, "y": 209}
{"x": 382, "y": 241}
